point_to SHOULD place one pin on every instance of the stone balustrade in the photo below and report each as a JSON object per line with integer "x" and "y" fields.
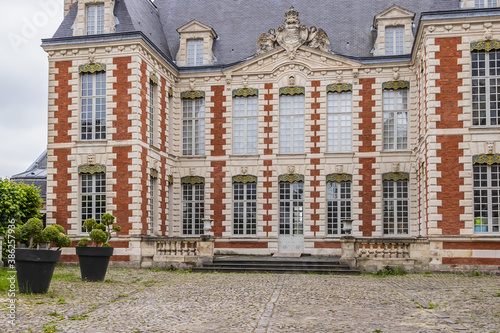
{"x": 372, "y": 254}
{"x": 177, "y": 247}
{"x": 382, "y": 248}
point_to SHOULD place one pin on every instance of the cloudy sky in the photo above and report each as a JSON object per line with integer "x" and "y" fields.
{"x": 24, "y": 80}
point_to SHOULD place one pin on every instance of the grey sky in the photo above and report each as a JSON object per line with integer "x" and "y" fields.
{"x": 24, "y": 80}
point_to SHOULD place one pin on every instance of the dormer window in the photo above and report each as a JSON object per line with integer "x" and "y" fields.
{"x": 195, "y": 44}
{"x": 394, "y": 32}
{"x": 95, "y": 19}
{"x": 195, "y": 52}
{"x": 394, "y": 40}
{"x": 485, "y": 3}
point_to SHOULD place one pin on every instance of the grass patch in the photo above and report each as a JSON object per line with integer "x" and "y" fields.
{"x": 50, "y": 328}
{"x": 390, "y": 271}
{"x": 4, "y": 282}
{"x": 61, "y": 300}
{"x": 68, "y": 277}
{"x": 432, "y": 305}
{"x": 55, "y": 314}
{"x": 79, "y": 317}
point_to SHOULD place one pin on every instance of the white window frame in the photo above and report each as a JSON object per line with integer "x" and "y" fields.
{"x": 485, "y": 80}
{"x": 95, "y": 19}
{"x": 245, "y": 125}
{"x": 292, "y": 115}
{"x": 291, "y": 208}
{"x": 194, "y": 52}
{"x": 152, "y": 204}
{"x": 338, "y": 206}
{"x": 193, "y": 127}
{"x": 486, "y": 191}
{"x": 485, "y": 3}
{"x": 92, "y": 197}
{"x": 396, "y": 204}
{"x": 339, "y": 120}
{"x": 152, "y": 113}
{"x": 396, "y": 120}
{"x": 244, "y": 209}
{"x": 394, "y": 40}
{"x": 193, "y": 209}
{"x": 93, "y": 106}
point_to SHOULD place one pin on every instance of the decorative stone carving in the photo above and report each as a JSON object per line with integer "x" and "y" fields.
{"x": 291, "y": 169}
{"x": 395, "y": 167}
{"x": 91, "y": 159}
{"x": 192, "y": 171}
{"x": 291, "y": 80}
{"x": 339, "y": 168}
{"x": 491, "y": 147}
{"x": 244, "y": 170}
{"x": 292, "y": 36}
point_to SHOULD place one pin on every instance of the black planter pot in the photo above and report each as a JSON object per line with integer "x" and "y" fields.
{"x": 93, "y": 262}
{"x": 34, "y": 269}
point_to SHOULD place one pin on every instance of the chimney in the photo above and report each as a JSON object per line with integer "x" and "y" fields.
{"x": 67, "y": 6}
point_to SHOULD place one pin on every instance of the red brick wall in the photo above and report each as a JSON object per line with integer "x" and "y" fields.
{"x": 144, "y": 192}
{"x": 62, "y": 102}
{"x": 367, "y": 171}
{"x": 241, "y": 245}
{"x": 327, "y": 245}
{"x": 122, "y": 188}
{"x": 450, "y": 151}
{"x": 122, "y": 98}
{"x": 471, "y": 246}
{"x": 267, "y": 162}
{"x": 315, "y": 138}
{"x": 218, "y": 120}
{"x": 449, "y": 82}
{"x": 471, "y": 261}
{"x": 144, "y": 102}
{"x": 164, "y": 199}
{"x": 61, "y": 190}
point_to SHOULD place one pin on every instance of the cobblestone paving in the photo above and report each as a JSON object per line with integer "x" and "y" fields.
{"x": 134, "y": 300}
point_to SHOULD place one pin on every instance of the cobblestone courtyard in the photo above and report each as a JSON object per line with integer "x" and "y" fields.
{"x": 133, "y": 300}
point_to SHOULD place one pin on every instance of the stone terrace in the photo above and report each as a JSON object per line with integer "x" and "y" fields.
{"x": 144, "y": 300}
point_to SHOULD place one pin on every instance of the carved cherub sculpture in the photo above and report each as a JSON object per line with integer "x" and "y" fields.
{"x": 266, "y": 42}
{"x": 318, "y": 39}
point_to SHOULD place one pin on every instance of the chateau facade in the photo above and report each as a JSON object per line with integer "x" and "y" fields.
{"x": 280, "y": 125}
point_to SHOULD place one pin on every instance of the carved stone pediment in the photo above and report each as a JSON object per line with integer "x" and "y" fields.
{"x": 292, "y": 36}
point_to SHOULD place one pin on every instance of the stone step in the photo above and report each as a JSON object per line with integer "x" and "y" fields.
{"x": 270, "y": 269}
{"x": 290, "y": 265}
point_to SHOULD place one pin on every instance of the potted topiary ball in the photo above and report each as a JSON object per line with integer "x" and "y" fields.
{"x": 94, "y": 259}
{"x": 35, "y": 264}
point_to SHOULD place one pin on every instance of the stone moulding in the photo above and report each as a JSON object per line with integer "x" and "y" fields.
{"x": 395, "y": 176}
{"x": 192, "y": 180}
{"x": 192, "y": 94}
{"x": 486, "y": 45}
{"x": 92, "y": 68}
{"x": 290, "y": 178}
{"x": 95, "y": 168}
{"x": 395, "y": 85}
{"x": 339, "y": 177}
{"x": 292, "y": 91}
{"x": 153, "y": 78}
{"x": 244, "y": 179}
{"x": 341, "y": 87}
{"x": 245, "y": 92}
{"x": 488, "y": 159}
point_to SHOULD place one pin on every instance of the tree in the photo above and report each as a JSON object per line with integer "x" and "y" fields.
{"x": 18, "y": 202}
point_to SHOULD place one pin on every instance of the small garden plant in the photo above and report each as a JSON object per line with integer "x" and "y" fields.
{"x": 32, "y": 234}
{"x": 99, "y": 233}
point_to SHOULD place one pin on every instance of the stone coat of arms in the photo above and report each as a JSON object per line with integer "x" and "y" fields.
{"x": 292, "y": 36}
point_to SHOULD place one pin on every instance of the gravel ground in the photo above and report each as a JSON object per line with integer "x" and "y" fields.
{"x": 145, "y": 300}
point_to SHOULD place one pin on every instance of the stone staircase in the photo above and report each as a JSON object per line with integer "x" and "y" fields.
{"x": 266, "y": 264}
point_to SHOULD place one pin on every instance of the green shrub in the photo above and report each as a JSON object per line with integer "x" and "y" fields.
{"x": 83, "y": 242}
{"x": 98, "y": 236}
{"x": 390, "y": 270}
{"x": 32, "y": 231}
{"x": 100, "y": 233}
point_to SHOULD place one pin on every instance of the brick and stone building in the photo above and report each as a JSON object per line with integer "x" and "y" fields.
{"x": 281, "y": 125}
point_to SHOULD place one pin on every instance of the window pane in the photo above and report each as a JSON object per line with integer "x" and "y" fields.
{"x": 291, "y": 208}
{"x": 291, "y": 124}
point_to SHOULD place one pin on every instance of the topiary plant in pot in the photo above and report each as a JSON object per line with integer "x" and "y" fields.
{"x": 35, "y": 264}
{"x": 94, "y": 259}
